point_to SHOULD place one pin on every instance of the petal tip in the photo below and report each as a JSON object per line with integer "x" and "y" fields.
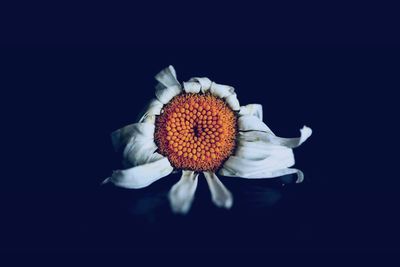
{"x": 305, "y": 132}
{"x": 300, "y": 177}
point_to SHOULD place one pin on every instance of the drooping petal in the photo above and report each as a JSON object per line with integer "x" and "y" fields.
{"x": 121, "y": 137}
{"x": 140, "y": 147}
{"x": 152, "y": 109}
{"x": 219, "y": 194}
{"x": 142, "y": 175}
{"x": 258, "y": 150}
{"x": 263, "y": 173}
{"x": 191, "y": 87}
{"x": 252, "y": 110}
{"x": 221, "y": 90}
{"x": 247, "y": 165}
{"x": 305, "y": 133}
{"x": 182, "y": 193}
{"x": 165, "y": 94}
{"x": 252, "y": 123}
{"x": 167, "y": 77}
{"x": 269, "y": 137}
{"x": 204, "y": 82}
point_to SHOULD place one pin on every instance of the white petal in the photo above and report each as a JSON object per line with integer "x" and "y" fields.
{"x": 167, "y": 77}
{"x": 269, "y": 137}
{"x": 233, "y": 102}
{"x": 141, "y": 176}
{"x": 152, "y": 109}
{"x": 252, "y": 123}
{"x": 181, "y": 194}
{"x": 204, "y": 82}
{"x": 253, "y": 136}
{"x": 191, "y": 87}
{"x": 219, "y": 194}
{"x": 305, "y": 133}
{"x": 253, "y": 110}
{"x": 165, "y": 94}
{"x": 141, "y": 146}
{"x": 257, "y": 150}
{"x": 120, "y": 137}
{"x": 274, "y": 174}
{"x": 220, "y": 90}
{"x": 262, "y": 173}
{"x": 150, "y": 119}
{"x": 277, "y": 157}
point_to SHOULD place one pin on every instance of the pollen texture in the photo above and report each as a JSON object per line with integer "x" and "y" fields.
{"x": 196, "y": 132}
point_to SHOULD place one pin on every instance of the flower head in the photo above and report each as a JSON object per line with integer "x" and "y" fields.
{"x": 200, "y": 127}
{"x": 196, "y": 132}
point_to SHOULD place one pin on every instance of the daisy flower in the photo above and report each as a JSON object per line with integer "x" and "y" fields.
{"x": 200, "y": 127}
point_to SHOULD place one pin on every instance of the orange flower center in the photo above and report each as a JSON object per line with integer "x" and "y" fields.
{"x": 196, "y": 132}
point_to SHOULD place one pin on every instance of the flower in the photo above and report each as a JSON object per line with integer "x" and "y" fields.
{"x": 200, "y": 127}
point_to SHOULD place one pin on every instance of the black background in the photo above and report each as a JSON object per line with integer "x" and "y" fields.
{"x": 69, "y": 76}
{"x": 67, "y": 100}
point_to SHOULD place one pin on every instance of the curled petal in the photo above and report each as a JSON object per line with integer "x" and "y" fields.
{"x": 142, "y": 175}
{"x": 191, "y": 87}
{"x": 269, "y": 137}
{"x": 204, "y": 82}
{"x": 121, "y": 137}
{"x": 181, "y": 194}
{"x": 152, "y": 109}
{"x": 165, "y": 94}
{"x": 167, "y": 77}
{"x": 252, "y": 110}
{"x": 277, "y": 157}
{"x": 219, "y": 194}
{"x": 141, "y": 146}
{"x": 252, "y": 123}
{"x": 233, "y": 102}
{"x": 220, "y": 90}
{"x": 257, "y": 150}
{"x": 265, "y": 173}
{"x": 305, "y": 133}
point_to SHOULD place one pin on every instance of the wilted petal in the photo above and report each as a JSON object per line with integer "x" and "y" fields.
{"x": 204, "y": 82}
{"x": 277, "y": 157}
{"x": 191, "y": 87}
{"x": 258, "y": 150}
{"x": 233, "y": 102}
{"x": 141, "y": 146}
{"x": 165, "y": 94}
{"x": 269, "y": 137}
{"x": 219, "y": 194}
{"x": 252, "y": 123}
{"x": 264, "y": 173}
{"x": 181, "y": 194}
{"x": 221, "y": 90}
{"x": 152, "y": 109}
{"x": 253, "y": 110}
{"x": 305, "y": 133}
{"x": 142, "y": 175}
{"x": 167, "y": 77}
{"x": 121, "y": 137}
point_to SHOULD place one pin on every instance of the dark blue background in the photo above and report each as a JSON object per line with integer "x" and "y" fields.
{"x": 62, "y": 102}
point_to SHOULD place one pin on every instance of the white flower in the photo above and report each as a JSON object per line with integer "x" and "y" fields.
{"x": 200, "y": 127}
